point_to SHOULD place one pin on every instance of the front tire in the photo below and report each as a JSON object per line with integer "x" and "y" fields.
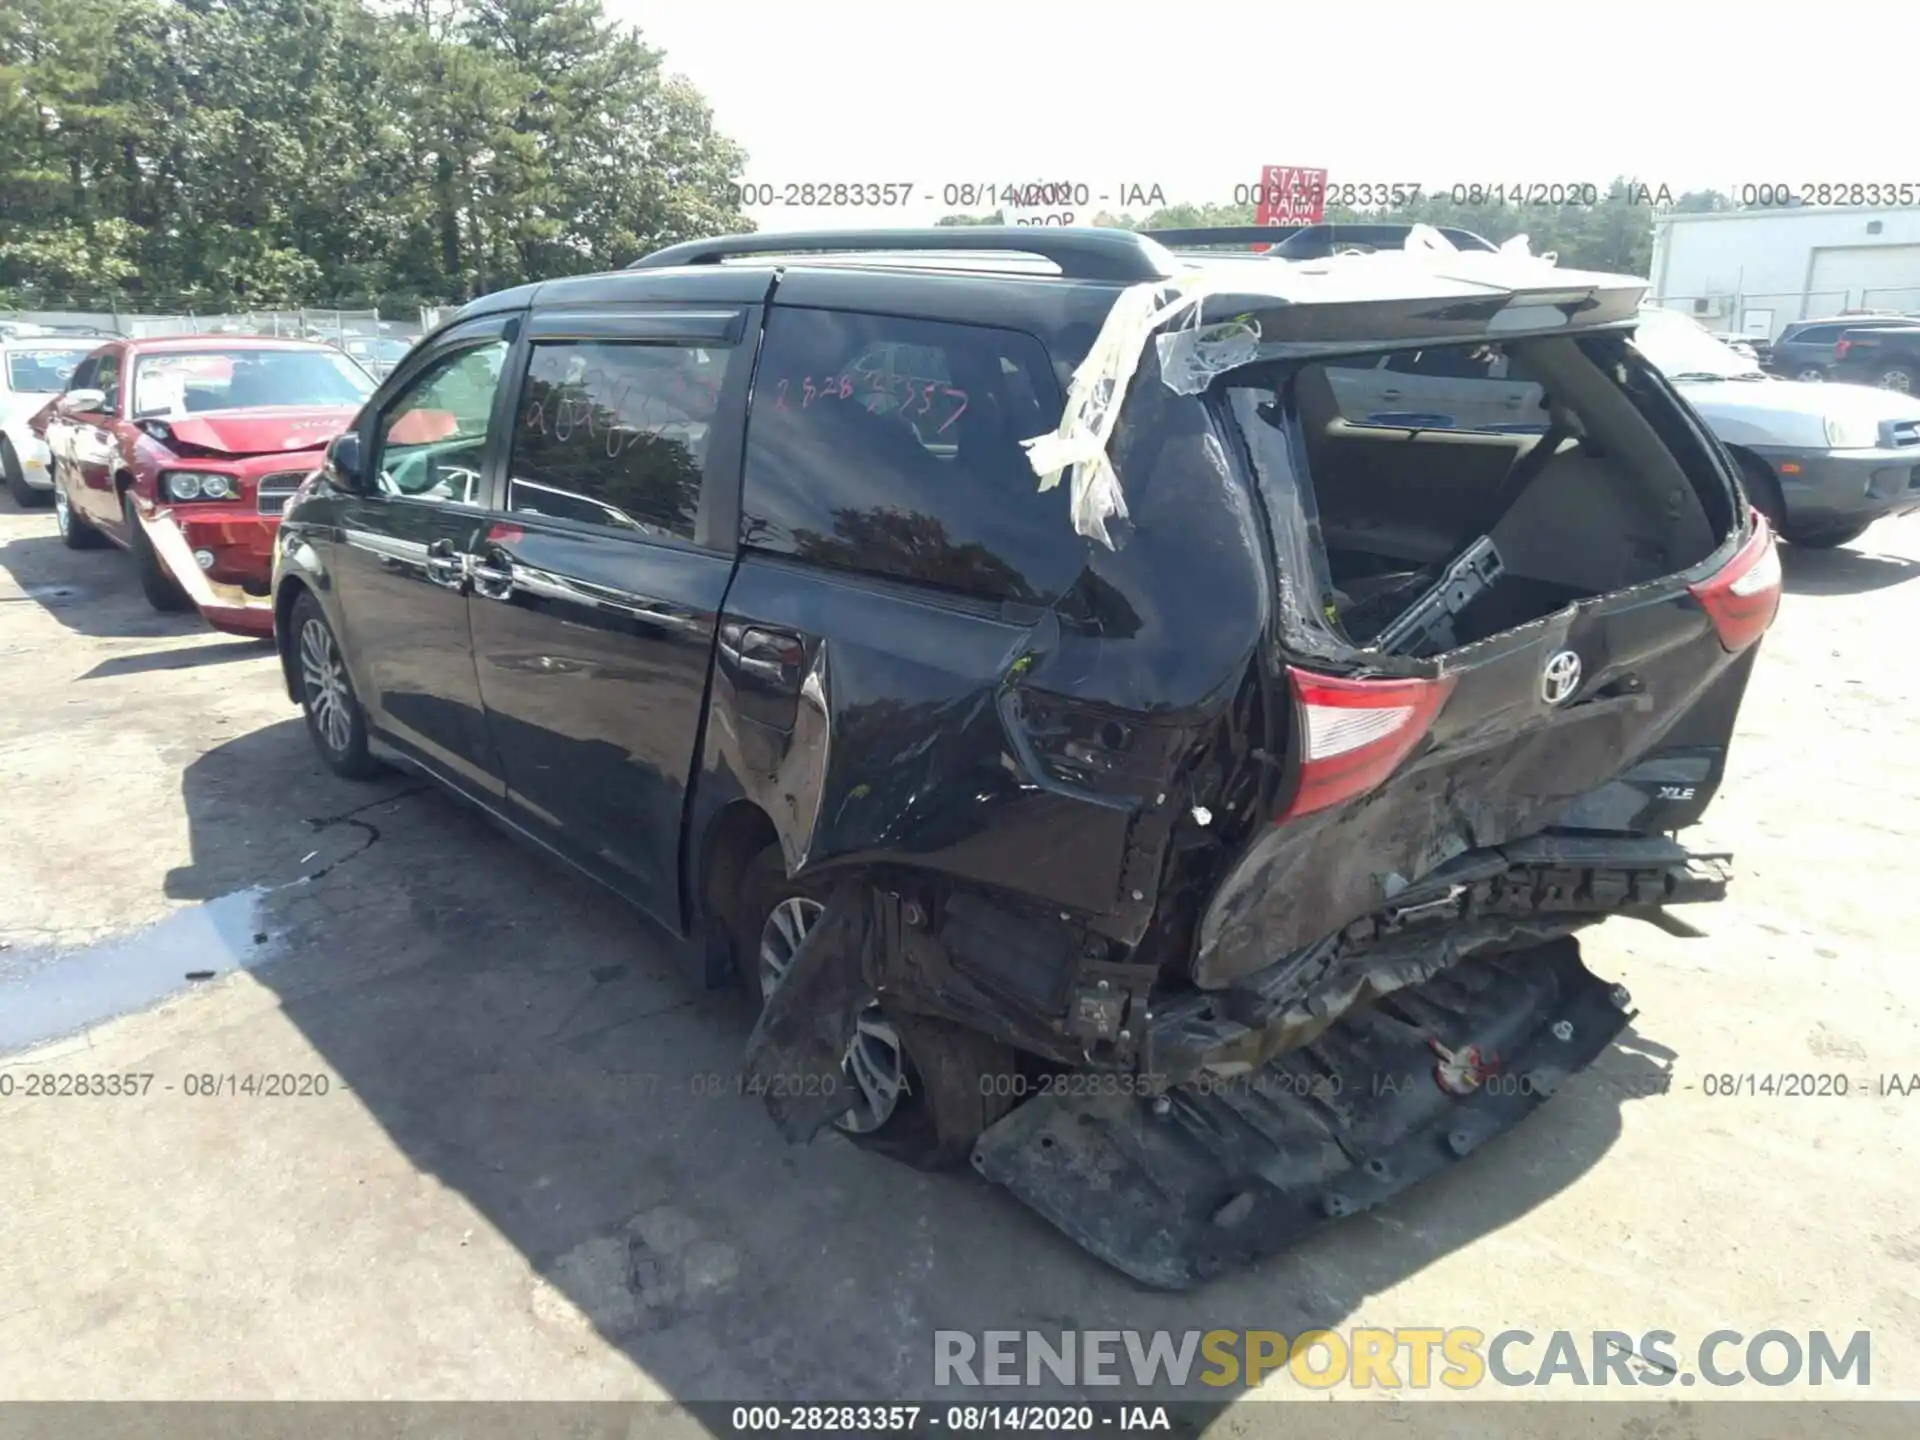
{"x": 1830, "y": 538}
{"x": 335, "y": 721}
{"x": 24, "y": 495}
{"x": 898, "y": 1114}
{"x": 163, "y": 592}
{"x": 1812, "y": 374}
{"x": 75, "y": 533}
{"x": 1763, "y": 490}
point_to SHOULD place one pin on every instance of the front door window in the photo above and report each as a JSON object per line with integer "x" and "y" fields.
{"x": 433, "y": 436}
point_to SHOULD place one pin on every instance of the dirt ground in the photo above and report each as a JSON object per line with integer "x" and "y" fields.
{"x": 493, "y": 1200}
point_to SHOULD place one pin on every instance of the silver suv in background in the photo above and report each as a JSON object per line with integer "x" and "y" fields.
{"x": 1823, "y": 462}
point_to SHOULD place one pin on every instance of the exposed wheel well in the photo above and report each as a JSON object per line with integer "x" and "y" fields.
{"x": 738, "y": 833}
{"x": 290, "y": 591}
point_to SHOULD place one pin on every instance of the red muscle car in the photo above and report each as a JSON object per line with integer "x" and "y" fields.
{"x": 183, "y": 451}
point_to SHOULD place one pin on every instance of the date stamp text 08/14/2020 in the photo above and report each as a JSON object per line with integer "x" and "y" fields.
{"x": 1086, "y": 198}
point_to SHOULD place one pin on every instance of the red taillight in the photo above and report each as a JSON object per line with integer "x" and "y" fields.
{"x": 1355, "y": 733}
{"x": 1742, "y": 598}
{"x": 1840, "y": 348}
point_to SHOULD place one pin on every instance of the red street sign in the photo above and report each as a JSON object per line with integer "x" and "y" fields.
{"x": 1290, "y": 195}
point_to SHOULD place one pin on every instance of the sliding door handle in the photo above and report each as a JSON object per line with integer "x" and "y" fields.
{"x": 491, "y": 580}
{"x": 445, "y": 565}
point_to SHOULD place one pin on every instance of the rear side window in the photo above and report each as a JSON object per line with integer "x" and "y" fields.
{"x": 1438, "y": 387}
{"x": 615, "y": 434}
{"x": 433, "y": 435}
{"x": 1817, "y": 335}
{"x": 891, "y": 447}
{"x": 40, "y": 372}
{"x": 108, "y": 379}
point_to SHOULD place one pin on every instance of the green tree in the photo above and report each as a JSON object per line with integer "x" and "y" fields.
{"x": 236, "y": 152}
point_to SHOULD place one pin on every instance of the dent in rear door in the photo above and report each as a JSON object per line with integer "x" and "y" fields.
{"x": 597, "y": 583}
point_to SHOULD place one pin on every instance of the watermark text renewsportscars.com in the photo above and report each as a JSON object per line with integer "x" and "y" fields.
{"x": 1456, "y": 1358}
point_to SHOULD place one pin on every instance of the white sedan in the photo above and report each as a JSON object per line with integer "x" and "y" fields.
{"x": 33, "y": 369}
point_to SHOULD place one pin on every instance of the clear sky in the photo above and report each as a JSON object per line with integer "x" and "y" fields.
{"x": 1195, "y": 96}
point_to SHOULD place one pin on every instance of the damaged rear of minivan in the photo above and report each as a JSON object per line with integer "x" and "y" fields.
{"x": 1420, "y": 627}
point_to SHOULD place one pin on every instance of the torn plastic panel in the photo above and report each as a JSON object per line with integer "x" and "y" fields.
{"x": 1177, "y": 1188}
{"x": 921, "y": 945}
{"x": 797, "y": 1048}
{"x": 1193, "y": 356}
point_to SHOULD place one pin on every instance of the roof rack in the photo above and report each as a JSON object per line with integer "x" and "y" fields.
{"x": 1312, "y": 242}
{"x": 1081, "y": 252}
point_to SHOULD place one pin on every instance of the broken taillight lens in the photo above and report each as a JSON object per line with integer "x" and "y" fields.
{"x": 1742, "y": 598}
{"x": 1355, "y": 733}
{"x": 1840, "y": 349}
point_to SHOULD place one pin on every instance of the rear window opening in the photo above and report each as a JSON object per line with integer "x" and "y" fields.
{"x": 1426, "y": 498}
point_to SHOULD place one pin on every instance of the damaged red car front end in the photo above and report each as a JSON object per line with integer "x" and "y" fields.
{"x": 184, "y": 450}
{"x": 214, "y": 488}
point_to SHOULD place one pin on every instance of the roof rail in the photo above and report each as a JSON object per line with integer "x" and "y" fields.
{"x": 1081, "y": 252}
{"x": 1312, "y": 242}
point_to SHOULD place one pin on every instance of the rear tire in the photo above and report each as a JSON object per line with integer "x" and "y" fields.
{"x": 24, "y": 495}
{"x": 163, "y": 592}
{"x": 335, "y": 721}
{"x": 1828, "y": 539}
{"x": 924, "y": 1127}
{"x": 1902, "y": 379}
{"x": 75, "y": 533}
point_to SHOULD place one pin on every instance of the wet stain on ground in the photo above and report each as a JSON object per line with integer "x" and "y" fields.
{"x": 46, "y": 994}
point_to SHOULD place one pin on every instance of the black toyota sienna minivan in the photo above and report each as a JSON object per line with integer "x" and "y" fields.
{"x": 1110, "y": 858}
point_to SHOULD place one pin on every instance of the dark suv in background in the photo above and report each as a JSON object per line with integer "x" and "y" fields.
{"x": 1804, "y": 350}
{"x": 1101, "y": 859}
{"x": 1886, "y": 355}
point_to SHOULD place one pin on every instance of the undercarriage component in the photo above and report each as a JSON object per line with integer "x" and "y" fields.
{"x": 955, "y": 1094}
{"x": 1177, "y": 1188}
{"x": 959, "y": 978}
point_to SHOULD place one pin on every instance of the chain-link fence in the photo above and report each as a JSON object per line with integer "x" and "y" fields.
{"x": 1903, "y": 301}
{"x": 330, "y": 325}
{"x": 1766, "y": 315}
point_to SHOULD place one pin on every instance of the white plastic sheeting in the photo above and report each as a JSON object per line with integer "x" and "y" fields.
{"x": 1191, "y": 356}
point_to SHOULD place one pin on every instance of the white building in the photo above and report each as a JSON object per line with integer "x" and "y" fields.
{"x": 1753, "y": 271}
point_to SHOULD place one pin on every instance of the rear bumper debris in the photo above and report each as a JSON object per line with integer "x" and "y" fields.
{"x": 1177, "y": 1188}
{"x": 1519, "y": 895}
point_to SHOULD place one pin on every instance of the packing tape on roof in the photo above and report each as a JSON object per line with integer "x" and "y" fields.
{"x": 1192, "y": 356}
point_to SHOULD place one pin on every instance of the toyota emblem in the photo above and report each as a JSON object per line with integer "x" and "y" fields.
{"x": 1561, "y": 678}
